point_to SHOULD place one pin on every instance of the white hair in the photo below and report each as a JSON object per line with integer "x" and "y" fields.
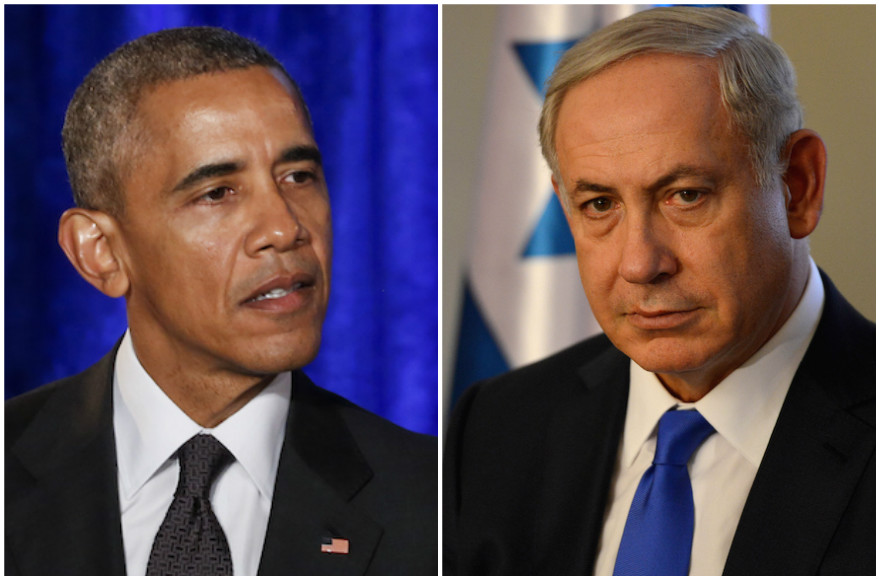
{"x": 757, "y": 80}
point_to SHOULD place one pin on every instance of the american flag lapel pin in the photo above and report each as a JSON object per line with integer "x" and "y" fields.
{"x": 334, "y": 545}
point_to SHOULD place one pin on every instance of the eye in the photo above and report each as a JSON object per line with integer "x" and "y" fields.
{"x": 217, "y": 194}
{"x": 598, "y": 205}
{"x": 300, "y": 177}
{"x": 687, "y": 196}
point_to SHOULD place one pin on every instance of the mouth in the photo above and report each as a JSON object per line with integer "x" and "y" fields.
{"x": 278, "y": 292}
{"x": 282, "y": 292}
{"x": 661, "y": 319}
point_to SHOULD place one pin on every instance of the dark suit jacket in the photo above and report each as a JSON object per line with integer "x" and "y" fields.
{"x": 529, "y": 459}
{"x": 343, "y": 473}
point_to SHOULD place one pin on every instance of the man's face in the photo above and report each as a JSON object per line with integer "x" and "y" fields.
{"x": 226, "y": 228}
{"x": 685, "y": 261}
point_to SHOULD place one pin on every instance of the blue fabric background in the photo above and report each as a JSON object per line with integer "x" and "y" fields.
{"x": 369, "y": 75}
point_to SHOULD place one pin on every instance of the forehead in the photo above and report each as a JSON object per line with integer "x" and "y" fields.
{"x": 657, "y": 102}
{"x": 255, "y": 95}
{"x": 243, "y": 118}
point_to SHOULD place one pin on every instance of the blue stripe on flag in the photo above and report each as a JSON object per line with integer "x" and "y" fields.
{"x": 551, "y": 236}
{"x": 479, "y": 356}
{"x": 539, "y": 60}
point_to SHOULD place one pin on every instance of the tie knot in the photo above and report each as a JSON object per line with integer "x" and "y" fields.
{"x": 680, "y": 434}
{"x": 202, "y": 457}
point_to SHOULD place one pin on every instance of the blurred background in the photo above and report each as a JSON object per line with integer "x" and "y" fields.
{"x": 493, "y": 67}
{"x": 369, "y": 76}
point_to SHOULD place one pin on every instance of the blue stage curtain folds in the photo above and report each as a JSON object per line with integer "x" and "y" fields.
{"x": 369, "y": 75}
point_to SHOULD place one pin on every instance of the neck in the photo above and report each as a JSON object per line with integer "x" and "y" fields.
{"x": 685, "y": 391}
{"x": 208, "y": 395}
{"x": 209, "y": 403}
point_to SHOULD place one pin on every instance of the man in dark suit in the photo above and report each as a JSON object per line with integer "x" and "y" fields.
{"x": 200, "y": 198}
{"x": 690, "y": 187}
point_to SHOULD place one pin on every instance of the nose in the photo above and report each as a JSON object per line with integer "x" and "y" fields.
{"x": 275, "y": 222}
{"x": 647, "y": 256}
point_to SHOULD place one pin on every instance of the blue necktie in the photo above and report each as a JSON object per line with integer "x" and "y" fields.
{"x": 659, "y": 531}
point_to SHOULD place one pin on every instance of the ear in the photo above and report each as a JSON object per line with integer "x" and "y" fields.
{"x": 90, "y": 241}
{"x": 804, "y": 178}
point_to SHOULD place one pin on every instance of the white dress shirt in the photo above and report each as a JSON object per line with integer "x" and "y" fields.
{"x": 743, "y": 410}
{"x": 150, "y": 428}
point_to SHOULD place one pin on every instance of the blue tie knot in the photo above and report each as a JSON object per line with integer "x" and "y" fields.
{"x": 680, "y": 434}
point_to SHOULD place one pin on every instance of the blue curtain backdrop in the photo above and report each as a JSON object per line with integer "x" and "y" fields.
{"x": 369, "y": 75}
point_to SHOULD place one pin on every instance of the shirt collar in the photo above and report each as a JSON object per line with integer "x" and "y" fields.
{"x": 744, "y": 407}
{"x": 149, "y": 427}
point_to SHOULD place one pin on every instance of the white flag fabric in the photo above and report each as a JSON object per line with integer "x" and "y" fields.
{"x": 523, "y": 299}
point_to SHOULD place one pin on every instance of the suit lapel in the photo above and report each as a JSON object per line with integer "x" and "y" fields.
{"x": 72, "y": 508}
{"x": 320, "y": 471}
{"x": 815, "y": 458}
{"x": 818, "y": 452}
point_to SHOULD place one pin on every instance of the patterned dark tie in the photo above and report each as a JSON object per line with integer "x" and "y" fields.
{"x": 658, "y": 536}
{"x": 190, "y": 540}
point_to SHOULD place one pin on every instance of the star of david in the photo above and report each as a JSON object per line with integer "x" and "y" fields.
{"x": 551, "y": 235}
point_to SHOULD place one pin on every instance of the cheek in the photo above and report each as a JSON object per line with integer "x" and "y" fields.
{"x": 325, "y": 234}
{"x": 322, "y": 234}
{"x": 742, "y": 263}
{"x": 598, "y": 266}
{"x": 208, "y": 249}
{"x": 762, "y": 236}
{"x": 197, "y": 265}
{"x": 598, "y": 256}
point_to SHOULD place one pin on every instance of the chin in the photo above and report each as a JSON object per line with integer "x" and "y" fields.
{"x": 665, "y": 356}
{"x": 280, "y": 353}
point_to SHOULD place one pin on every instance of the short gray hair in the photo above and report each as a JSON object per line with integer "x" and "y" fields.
{"x": 757, "y": 80}
{"x": 100, "y": 131}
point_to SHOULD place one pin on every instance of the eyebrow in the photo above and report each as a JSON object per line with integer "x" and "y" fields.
{"x": 679, "y": 172}
{"x": 211, "y": 170}
{"x": 207, "y": 172}
{"x": 300, "y": 153}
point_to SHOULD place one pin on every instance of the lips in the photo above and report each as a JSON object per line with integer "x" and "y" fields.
{"x": 657, "y": 313}
{"x": 661, "y": 319}
{"x": 283, "y": 291}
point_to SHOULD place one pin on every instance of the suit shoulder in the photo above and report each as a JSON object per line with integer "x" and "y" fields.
{"x": 369, "y": 429}
{"x": 22, "y": 409}
{"x": 842, "y": 355}
{"x": 527, "y": 397}
{"x": 377, "y": 435}
{"x": 554, "y": 375}
{"x": 85, "y": 392}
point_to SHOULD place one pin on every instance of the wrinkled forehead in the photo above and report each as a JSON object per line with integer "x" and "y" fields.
{"x": 637, "y": 122}
{"x": 639, "y": 96}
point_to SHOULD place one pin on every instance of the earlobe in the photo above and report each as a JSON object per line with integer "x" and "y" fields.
{"x": 804, "y": 181}
{"x": 86, "y": 236}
